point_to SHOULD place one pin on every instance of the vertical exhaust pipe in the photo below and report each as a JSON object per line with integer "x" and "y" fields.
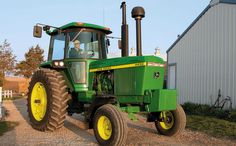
{"x": 124, "y": 32}
{"x": 138, "y": 13}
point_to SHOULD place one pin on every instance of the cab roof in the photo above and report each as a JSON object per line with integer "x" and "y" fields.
{"x": 81, "y": 25}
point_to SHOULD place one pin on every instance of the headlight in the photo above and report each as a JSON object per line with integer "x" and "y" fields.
{"x": 61, "y": 63}
{"x": 58, "y": 64}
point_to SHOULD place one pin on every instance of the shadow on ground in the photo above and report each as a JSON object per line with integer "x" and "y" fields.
{"x": 77, "y": 126}
{"x": 21, "y": 106}
{"x": 73, "y": 124}
{"x": 142, "y": 128}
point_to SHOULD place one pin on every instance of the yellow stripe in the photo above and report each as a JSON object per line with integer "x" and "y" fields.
{"x": 119, "y": 67}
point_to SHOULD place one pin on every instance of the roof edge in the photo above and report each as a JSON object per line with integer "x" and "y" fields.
{"x": 81, "y": 25}
{"x": 212, "y": 4}
{"x": 190, "y": 26}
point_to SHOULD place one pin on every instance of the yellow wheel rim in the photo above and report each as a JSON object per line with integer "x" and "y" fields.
{"x": 38, "y": 101}
{"x": 104, "y": 127}
{"x": 168, "y": 120}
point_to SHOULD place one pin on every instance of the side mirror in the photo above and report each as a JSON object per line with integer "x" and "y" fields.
{"x": 37, "y": 31}
{"x": 108, "y": 42}
{"x": 120, "y": 44}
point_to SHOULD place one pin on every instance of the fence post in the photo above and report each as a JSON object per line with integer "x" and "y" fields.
{"x": 8, "y": 93}
{"x": 1, "y": 116}
{"x": 11, "y": 93}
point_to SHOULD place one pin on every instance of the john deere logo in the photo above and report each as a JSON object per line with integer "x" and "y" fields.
{"x": 156, "y": 75}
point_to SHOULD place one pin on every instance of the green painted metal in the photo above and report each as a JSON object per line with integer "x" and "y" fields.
{"x": 86, "y": 96}
{"x": 131, "y": 110}
{"x": 162, "y": 100}
{"x": 82, "y": 25}
{"x": 132, "y": 117}
{"x": 134, "y": 81}
{"x": 130, "y": 99}
{"x": 46, "y": 64}
{"x": 125, "y": 60}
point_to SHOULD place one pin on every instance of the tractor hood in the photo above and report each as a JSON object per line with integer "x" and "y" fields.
{"x": 126, "y": 62}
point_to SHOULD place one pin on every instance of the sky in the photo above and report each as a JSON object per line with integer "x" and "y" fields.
{"x": 163, "y": 22}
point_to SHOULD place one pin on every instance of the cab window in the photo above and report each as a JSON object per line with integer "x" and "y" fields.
{"x": 58, "y": 46}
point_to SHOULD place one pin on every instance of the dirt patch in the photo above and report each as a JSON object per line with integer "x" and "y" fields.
{"x": 73, "y": 133}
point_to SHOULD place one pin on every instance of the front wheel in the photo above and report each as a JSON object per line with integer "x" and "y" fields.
{"x": 171, "y": 123}
{"x": 109, "y": 126}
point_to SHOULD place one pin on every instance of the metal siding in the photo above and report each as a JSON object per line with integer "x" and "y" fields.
{"x": 205, "y": 57}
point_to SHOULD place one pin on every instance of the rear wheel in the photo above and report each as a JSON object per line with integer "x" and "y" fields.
{"x": 109, "y": 126}
{"x": 47, "y": 100}
{"x": 171, "y": 122}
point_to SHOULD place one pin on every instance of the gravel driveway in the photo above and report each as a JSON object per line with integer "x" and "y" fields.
{"x": 74, "y": 133}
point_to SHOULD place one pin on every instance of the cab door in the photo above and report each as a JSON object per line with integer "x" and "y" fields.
{"x": 57, "y": 47}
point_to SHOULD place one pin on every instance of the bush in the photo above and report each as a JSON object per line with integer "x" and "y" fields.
{"x": 206, "y": 110}
{"x": 233, "y": 116}
{"x": 196, "y": 109}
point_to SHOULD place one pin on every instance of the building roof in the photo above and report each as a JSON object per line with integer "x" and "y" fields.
{"x": 15, "y": 79}
{"x": 82, "y": 25}
{"x": 212, "y": 3}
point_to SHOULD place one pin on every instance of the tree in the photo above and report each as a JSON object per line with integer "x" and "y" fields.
{"x": 33, "y": 58}
{"x": 7, "y": 60}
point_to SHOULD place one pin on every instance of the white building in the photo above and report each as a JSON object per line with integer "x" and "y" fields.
{"x": 157, "y": 53}
{"x": 203, "y": 59}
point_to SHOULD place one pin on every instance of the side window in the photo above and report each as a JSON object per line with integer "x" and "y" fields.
{"x": 58, "y": 46}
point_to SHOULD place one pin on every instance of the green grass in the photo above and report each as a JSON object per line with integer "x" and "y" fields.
{"x": 212, "y": 126}
{"x": 6, "y": 126}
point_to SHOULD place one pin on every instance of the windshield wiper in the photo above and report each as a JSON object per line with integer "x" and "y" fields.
{"x": 78, "y": 34}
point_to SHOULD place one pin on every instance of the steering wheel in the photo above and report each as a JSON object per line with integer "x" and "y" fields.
{"x": 90, "y": 53}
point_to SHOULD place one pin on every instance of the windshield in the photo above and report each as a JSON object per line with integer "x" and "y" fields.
{"x": 86, "y": 44}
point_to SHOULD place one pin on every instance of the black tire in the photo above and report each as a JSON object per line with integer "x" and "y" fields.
{"x": 57, "y": 97}
{"x": 118, "y": 124}
{"x": 179, "y": 123}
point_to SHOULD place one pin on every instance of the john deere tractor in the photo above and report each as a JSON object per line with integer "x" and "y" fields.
{"x": 78, "y": 78}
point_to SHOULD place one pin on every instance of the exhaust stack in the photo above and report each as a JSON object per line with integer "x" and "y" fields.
{"x": 138, "y": 13}
{"x": 124, "y": 32}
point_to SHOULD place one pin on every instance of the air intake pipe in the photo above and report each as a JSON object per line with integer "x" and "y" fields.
{"x": 138, "y": 13}
{"x": 124, "y": 32}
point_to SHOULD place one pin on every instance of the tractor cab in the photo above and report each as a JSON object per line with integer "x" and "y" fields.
{"x": 74, "y": 46}
{"x": 76, "y": 41}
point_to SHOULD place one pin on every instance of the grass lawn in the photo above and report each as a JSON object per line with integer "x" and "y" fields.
{"x": 6, "y": 126}
{"x": 212, "y": 126}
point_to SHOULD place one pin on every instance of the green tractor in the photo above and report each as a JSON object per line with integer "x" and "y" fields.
{"x": 78, "y": 78}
